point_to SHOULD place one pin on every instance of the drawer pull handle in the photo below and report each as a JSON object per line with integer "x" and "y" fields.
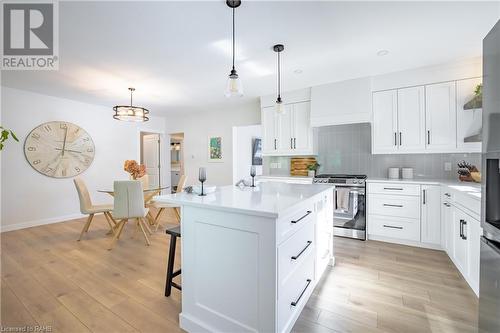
{"x": 303, "y": 217}
{"x": 300, "y": 253}
{"x": 392, "y": 227}
{"x": 447, "y": 204}
{"x": 294, "y": 303}
{"x": 462, "y": 234}
{"x": 390, "y": 205}
{"x": 393, "y": 188}
{"x": 448, "y": 195}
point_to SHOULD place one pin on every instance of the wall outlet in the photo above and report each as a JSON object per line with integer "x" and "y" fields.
{"x": 447, "y": 166}
{"x": 273, "y": 165}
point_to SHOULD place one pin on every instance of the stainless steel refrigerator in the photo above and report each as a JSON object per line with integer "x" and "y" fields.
{"x": 489, "y": 287}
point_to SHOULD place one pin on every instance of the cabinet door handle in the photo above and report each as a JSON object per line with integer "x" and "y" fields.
{"x": 424, "y": 193}
{"x": 275, "y": 144}
{"x": 428, "y": 137}
{"x": 294, "y": 143}
{"x": 392, "y": 227}
{"x": 291, "y": 143}
{"x": 300, "y": 253}
{"x": 393, "y": 188}
{"x": 464, "y": 236}
{"x": 400, "y": 139}
{"x": 461, "y": 229}
{"x": 448, "y": 195}
{"x": 447, "y": 204}
{"x": 294, "y": 303}
{"x": 303, "y": 217}
{"x": 391, "y": 205}
{"x": 395, "y": 138}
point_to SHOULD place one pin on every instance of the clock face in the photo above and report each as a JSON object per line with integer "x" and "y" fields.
{"x": 59, "y": 149}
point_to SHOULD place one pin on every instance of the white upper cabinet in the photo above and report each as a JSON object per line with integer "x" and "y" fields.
{"x": 440, "y": 117}
{"x": 346, "y": 102}
{"x": 385, "y": 121}
{"x": 469, "y": 121}
{"x": 269, "y": 130}
{"x": 411, "y": 119}
{"x": 431, "y": 214}
{"x": 288, "y": 133}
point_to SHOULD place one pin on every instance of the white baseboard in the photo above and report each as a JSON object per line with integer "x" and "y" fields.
{"x": 29, "y": 224}
{"x": 404, "y": 242}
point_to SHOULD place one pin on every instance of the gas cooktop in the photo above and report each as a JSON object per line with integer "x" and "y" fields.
{"x": 340, "y": 179}
{"x": 333, "y": 175}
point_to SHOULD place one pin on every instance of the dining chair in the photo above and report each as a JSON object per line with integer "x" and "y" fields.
{"x": 162, "y": 206}
{"x": 129, "y": 204}
{"x": 87, "y": 208}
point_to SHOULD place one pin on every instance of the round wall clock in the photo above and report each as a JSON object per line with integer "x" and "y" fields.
{"x": 59, "y": 149}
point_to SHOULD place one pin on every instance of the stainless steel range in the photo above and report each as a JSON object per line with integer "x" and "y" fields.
{"x": 349, "y": 217}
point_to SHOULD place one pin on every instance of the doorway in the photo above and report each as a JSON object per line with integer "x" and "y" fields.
{"x": 176, "y": 158}
{"x": 151, "y": 157}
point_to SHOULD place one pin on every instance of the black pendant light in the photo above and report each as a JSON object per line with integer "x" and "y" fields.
{"x": 130, "y": 112}
{"x": 234, "y": 86}
{"x": 280, "y": 108}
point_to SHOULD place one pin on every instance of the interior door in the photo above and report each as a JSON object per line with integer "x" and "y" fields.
{"x": 385, "y": 121}
{"x": 151, "y": 158}
{"x": 269, "y": 130}
{"x": 411, "y": 119}
{"x": 440, "y": 117}
{"x": 302, "y": 135}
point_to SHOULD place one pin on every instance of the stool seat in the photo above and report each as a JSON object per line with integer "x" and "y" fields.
{"x": 174, "y": 233}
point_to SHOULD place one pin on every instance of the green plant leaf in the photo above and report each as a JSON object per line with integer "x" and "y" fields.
{"x": 14, "y": 136}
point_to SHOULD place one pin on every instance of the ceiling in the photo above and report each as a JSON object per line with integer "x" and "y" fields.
{"x": 177, "y": 54}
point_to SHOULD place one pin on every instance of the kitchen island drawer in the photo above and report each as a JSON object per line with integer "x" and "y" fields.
{"x": 394, "y": 227}
{"x": 293, "y": 295}
{"x": 294, "y": 251}
{"x": 290, "y": 223}
{"x": 394, "y": 188}
{"x": 394, "y": 205}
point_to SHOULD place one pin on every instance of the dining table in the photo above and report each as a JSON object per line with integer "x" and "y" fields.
{"x": 149, "y": 193}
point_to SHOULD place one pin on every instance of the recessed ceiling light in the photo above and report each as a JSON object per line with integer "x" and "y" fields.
{"x": 298, "y": 71}
{"x": 382, "y": 53}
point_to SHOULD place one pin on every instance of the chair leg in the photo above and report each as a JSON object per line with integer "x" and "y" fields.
{"x": 120, "y": 226}
{"x": 141, "y": 224}
{"x": 177, "y": 214}
{"x": 146, "y": 225}
{"x": 107, "y": 216}
{"x": 170, "y": 266}
{"x": 86, "y": 226}
{"x": 157, "y": 218}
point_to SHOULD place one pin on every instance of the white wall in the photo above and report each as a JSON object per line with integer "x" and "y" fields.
{"x": 197, "y": 127}
{"x": 36, "y": 199}
{"x": 242, "y": 151}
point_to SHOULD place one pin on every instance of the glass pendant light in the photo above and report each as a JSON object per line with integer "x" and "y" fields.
{"x": 234, "y": 86}
{"x": 280, "y": 107}
{"x": 130, "y": 112}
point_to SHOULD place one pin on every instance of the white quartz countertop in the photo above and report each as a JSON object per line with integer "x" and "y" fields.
{"x": 469, "y": 188}
{"x": 271, "y": 199}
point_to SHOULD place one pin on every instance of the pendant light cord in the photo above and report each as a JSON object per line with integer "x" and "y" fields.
{"x": 131, "y": 92}
{"x": 233, "y": 38}
{"x": 279, "y": 75}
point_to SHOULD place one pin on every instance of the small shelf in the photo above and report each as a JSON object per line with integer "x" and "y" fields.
{"x": 474, "y": 104}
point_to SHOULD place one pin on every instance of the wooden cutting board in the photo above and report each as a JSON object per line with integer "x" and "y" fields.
{"x": 298, "y": 165}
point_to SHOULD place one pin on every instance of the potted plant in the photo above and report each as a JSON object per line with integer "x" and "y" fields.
{"x": 312, "y": 168}
{"x": 4, "y": 136}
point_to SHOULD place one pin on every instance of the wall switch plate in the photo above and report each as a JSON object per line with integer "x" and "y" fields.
{"x": 447, "y": 166}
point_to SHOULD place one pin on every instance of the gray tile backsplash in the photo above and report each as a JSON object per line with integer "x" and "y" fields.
{"x": 347, "y": 149}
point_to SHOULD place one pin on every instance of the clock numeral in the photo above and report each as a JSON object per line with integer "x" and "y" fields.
{"x": 48, "y": 169}
{"x": 31, "y": 149}
{"x": 47, "y": 128}
{"x": 90, "y": 150}
{"x": 63, "y": 172}
{"x": 35, "y": 136}
{"x": 35, "y": 162}
{"x": 86, "y": 139}
{"x": 77, "y": 169}
{"x": 63, "y": 126}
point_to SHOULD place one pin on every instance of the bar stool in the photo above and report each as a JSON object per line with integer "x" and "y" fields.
{"x": 174, "y": 233}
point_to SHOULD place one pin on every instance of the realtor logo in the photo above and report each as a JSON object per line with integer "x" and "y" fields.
{"x": 30, "y": 36}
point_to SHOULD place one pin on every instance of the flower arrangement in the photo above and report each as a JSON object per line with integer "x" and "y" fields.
{"x": 135, "y": 169}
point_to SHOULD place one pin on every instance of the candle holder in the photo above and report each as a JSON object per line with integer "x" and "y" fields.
{"x": 253, "y": 172}
{"x": 202, "y": 177}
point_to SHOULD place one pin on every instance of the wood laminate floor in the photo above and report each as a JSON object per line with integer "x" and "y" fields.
{"x": 50, "y": 279}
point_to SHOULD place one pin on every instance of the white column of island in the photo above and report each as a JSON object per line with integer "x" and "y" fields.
{"x": 251, "y": 257}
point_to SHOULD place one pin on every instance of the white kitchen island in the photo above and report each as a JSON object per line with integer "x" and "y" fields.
{"x": 251, "y": 257}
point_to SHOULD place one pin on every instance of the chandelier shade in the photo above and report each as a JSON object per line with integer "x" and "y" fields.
{"x": 130, "y": 112}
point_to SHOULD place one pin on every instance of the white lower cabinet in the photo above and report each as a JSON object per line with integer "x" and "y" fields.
{"x": 431, "y": 214}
